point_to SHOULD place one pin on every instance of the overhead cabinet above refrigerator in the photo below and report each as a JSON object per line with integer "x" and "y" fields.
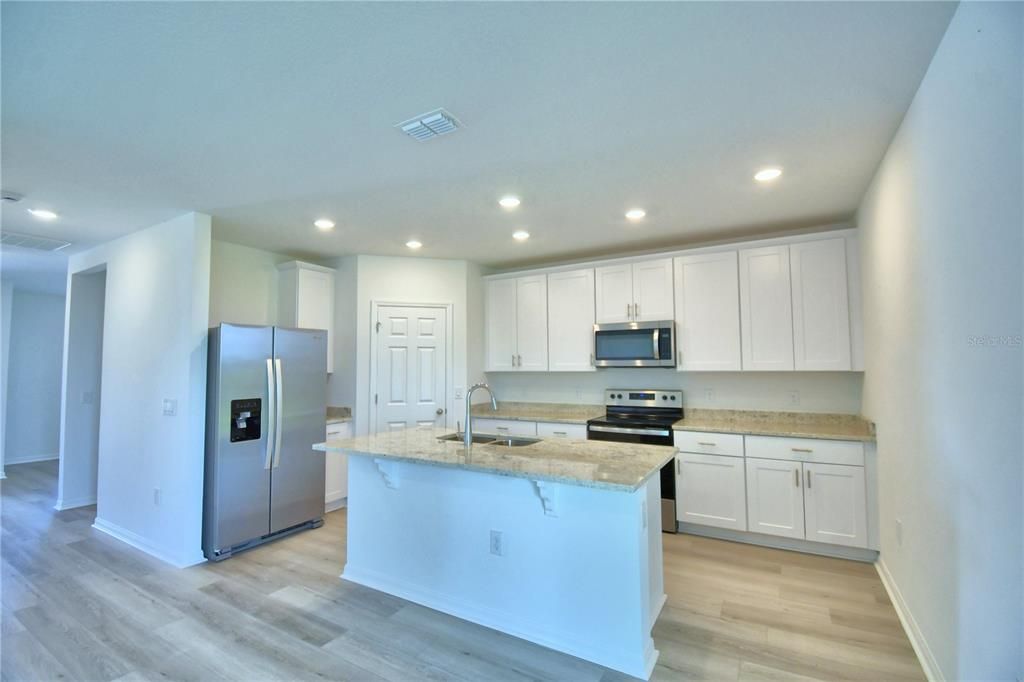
{"x": 266, "y": 398}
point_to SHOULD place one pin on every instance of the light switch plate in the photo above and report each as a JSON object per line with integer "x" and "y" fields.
{"x": 170, "y": 407}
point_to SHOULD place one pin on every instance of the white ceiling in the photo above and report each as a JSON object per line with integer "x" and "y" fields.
{"x": 268, "y": 115}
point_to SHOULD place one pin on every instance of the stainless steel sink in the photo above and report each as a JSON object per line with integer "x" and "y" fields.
{"x": 477, "y": 438}
{"x": 515, "y": 442}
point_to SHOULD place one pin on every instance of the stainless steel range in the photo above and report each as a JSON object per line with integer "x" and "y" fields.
{"x": 646, "y": 417}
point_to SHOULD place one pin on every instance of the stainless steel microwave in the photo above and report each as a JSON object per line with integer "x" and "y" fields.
{"x": 635, "y": 344}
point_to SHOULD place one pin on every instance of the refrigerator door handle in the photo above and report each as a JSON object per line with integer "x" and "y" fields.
{"x": 278, "y": 414}
{"x": 271, "y": 411}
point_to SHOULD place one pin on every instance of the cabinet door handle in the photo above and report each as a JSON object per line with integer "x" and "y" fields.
{"x": 513, "y": 359}
{"x": 677, "y": 465}
{"x": 808, "y": 475}
{"x": 520, "y": 358}
{"x": 796, "y": 477}
{"x": 591, "y": 359}
{"x": 629, "y": 314}
{"x": 705, "y": 443}
{"x": 560, "y": 433}
{"x": 801, "y": 450}
{"x": 501, "y": 428}
{"x": 636, "y": 311}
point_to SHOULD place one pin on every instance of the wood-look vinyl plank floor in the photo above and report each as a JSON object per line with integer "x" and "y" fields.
{"x": 76, "y": 604}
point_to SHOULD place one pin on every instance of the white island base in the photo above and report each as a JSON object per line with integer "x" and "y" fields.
{"x": 579, "y": 569}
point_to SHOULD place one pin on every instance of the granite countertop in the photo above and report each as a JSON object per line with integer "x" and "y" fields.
{"x": 338, "y": 415}
{"x": 791, "y": 424}
{"x": 563, "y": 413}
{"x": 620, "y": 467}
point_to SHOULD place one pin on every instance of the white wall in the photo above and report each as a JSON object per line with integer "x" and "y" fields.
{"x": 941, "y": 231}
{"x": 150, "y": 479}
{"x": 838, "y": 392}
{"x": 243, "y": 284}
{"x": 389, "y": 280}
{"x": 33, "y": 380}
{"x": 6, "y": 303}
{"x": 82, "y": 395}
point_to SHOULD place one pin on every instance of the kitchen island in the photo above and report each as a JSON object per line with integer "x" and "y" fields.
{"x": 557, "y": 542}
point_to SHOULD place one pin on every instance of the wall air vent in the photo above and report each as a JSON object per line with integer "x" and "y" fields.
{"x": 27, "y": 241}
{"x": 429, "y": 125}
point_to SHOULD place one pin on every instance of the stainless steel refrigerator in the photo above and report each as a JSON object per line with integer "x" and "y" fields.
{"x": 265, "y": 408}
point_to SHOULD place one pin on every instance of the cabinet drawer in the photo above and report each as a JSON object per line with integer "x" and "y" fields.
{"x": 806, "y": 450}
{"x": 729, "y": 444}
{"x": 557, "y": 430}
{"x": 510, "y": 427}
{"x": 336, "y": 431}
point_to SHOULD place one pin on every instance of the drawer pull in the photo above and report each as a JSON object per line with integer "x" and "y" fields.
{"x": 808, "y": 474}
{"x": 560, "y": 433}
{"x": 796, "y": 477}
{"x": 501, "y": 428}
{"x": 801, "y": 450}
{"x": 705, "y": 443}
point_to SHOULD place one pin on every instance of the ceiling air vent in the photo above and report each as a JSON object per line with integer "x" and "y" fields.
{"x": 431, "y": 124}
{"x": 27, "y": 241}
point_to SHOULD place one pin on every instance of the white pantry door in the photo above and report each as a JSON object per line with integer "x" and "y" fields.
{"x": 411, "y": 361}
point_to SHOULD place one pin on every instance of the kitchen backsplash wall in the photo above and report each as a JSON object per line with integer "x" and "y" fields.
{"x": 784, "y": 391}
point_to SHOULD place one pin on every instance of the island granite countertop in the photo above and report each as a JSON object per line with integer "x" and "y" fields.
{"x": 593, "y": 464}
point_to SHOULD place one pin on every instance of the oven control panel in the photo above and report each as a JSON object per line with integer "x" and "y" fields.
{"x": 621, "y": 397}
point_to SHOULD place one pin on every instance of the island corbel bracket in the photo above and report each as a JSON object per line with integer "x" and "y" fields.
{"x": 548, "y": 493}
{"x": 388, "y": 471}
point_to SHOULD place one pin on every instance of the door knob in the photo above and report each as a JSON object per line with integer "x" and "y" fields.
{"x": 440, "y": 410}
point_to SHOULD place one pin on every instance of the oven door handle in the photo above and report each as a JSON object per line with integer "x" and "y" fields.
{"x": 623, "y": 429}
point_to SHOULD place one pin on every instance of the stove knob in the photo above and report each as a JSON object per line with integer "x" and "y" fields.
{"x": 673, "y": 398}
{"x": 665, "y": 397}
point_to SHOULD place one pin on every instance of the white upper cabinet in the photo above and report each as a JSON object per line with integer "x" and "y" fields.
{"x": 652, "y": 290}
{"x": 571, "y": 321}
{"x": 515, "y": 330}
{"x": 500, "y": 325}
{"x": 708, "y": 312}
{"x": 634, "y": 292}
{"x": 614, "y": 293}
{"x": 821, "y": 310}
{"x": 531, "y": 314}
{"x": 766, "y": 311}
{"x": 306, "y": 300}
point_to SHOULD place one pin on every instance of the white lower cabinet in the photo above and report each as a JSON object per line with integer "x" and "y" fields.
{"x": 775, "y": 497}
{"x": 835, "y": 506}
{"x": 559, "y": 430}
{"x": 710, "y": 490}
{"x": 336, "y": 468}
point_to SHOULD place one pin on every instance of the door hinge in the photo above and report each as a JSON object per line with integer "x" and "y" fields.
{"x": 378, "y": 326}
{"x": 374, "y": 398}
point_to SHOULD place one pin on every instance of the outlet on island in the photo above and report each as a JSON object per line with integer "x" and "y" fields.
{"x": 497, "y": 543}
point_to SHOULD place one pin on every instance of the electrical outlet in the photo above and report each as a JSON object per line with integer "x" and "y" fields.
{"x": 709, "y": 395}
{"x": 899, "y": 533}
{"x": 170, "y": 407}
{"x": 156, "y": 496}
{"x": 497, "y": 544}
{"x": 458, "y": 393}
{"x": 88, "y": 397}
{"x": 794, "y": 398}
{"x": 579, "y": 394}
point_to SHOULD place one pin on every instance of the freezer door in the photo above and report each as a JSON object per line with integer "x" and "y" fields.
{"x": 297, "y": 474}
{"x": 238, "y": 474}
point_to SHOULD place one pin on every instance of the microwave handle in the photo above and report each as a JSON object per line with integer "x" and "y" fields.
{"x": 657, "y": 345}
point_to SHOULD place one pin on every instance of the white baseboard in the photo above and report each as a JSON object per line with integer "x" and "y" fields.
{"x": 924, "y": 653}
{"x": 565, "y": 642}
{"x": 138, "y": 542}
{"x": 64, "y": 505}
{"x": 335, "y": 502}
{"x": 868, "y": 556}
{"x": 31, "y": 458}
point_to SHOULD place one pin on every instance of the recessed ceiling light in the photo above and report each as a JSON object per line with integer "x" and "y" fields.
{"x": 636, "y": 213}
{"x": 509, "y": 201}
{"x": 767, "y": 174}
{"x": 520, "y": 235}
{"x": 324, "y": 223}
{"x": 43, "y": 214}
{"x": 413, "y": 244}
